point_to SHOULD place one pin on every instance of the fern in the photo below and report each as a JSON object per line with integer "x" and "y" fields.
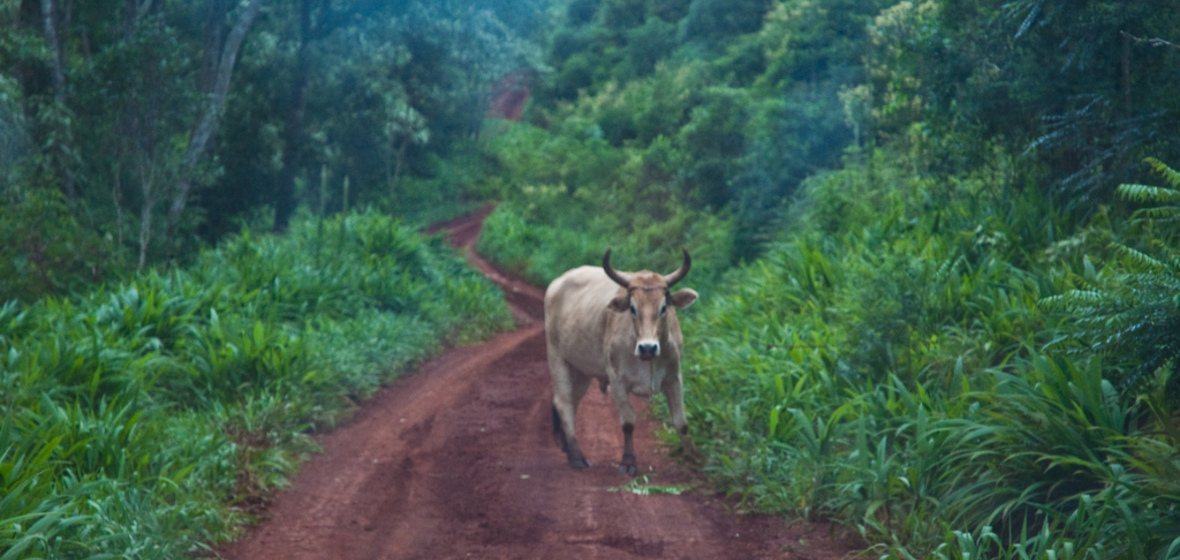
{"x": 1147, "y": 193}
{"x": 1170, "y": 175}
{"x": 1130, "y": 311}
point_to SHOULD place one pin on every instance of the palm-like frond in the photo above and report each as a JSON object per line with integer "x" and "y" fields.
{"x": 1130, "y": 311}
{"x": 1170, "y": 175}
{"x": 1147, "y": 193}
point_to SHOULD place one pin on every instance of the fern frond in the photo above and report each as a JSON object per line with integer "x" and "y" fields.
{"x": 1170, "y": 175}
{"x": 1130, "y": 310}
{"x": 1140, "y": 261}
{"x": 1075, "y": 298}
{"x": 1147, "y": 193}
{"x": 1157, "y": 213}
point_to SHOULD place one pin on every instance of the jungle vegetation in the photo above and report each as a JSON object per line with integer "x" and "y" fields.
{"x": 209, "y": 247}
{"x": 935, "y": 242}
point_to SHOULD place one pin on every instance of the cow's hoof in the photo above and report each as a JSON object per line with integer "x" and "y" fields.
{"x": 579, "y": 463}
{"x": 627, "y": 466}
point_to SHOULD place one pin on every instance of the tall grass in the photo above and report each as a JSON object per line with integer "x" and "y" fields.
{"x": 150, "y": 418}
{"x": 891, "y": 373}
{"x": 902, "y": 360}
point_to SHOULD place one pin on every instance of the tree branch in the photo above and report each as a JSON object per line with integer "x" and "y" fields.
{"x": 1156, "y": 42}
{"x": 207, "y": 126}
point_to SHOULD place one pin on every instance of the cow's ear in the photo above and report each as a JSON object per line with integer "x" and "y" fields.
{"x": 684, "y": 297}
{"x": 620, "y": 304}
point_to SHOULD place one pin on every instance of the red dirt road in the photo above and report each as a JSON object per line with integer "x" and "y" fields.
{"x": 458, "y": 461}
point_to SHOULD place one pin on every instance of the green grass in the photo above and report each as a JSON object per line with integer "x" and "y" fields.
{"x": 900, "y": 361}
{"x": 147, "y": 419}
{"x": 896, "y": 374}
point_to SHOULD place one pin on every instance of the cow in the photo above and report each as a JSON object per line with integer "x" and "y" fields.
{"x": 621, "y": 329}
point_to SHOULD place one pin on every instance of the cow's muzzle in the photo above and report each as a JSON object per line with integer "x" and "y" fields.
{"x": 647, "y": 350}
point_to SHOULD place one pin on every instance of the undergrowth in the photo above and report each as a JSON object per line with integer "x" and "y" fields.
{"x": 148, "y": 419}
{"x": 904, "y": 375}
{"x": 933, "y": 359}
{"x": 591, "y": 197}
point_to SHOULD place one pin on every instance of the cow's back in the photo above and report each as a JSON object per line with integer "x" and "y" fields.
{"x": 575, "y": 317}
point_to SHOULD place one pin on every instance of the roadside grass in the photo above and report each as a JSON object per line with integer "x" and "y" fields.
{"x": 900, "y": 360}
{"x": 902, "y": 375}
{"x": 149, "y": 419}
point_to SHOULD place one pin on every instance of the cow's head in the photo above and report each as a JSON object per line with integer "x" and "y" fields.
{"x": 647, "y": 298}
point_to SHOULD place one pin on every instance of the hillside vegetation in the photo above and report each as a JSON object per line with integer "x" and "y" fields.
{"x": 930, "y": 311}
{"x": 151, "y": 418}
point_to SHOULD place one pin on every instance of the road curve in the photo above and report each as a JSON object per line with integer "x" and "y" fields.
{"x": 457, "y": 461}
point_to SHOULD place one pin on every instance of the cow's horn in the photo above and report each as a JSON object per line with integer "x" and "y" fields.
{"x": 610, "y": 271}
{"x": 681, "y": 272}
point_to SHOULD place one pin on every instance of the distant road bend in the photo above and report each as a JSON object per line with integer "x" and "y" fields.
{"x": 457, "y": 460}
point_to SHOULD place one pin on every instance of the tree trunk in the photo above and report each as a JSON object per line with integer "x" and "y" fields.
{"x": 53, "y": 40}
{"x": 145, "y": 231}
{"x": 49, "y": 19}
{"x": 117, "y": 198}
{"x": 397, "y": 170}
{"x": 214, "y": 29}
{"x": 147, "y": 187}
{"x": 293, "y": 140}
{"x": 1126, "y": 74}
{"x": 215, "y": 106}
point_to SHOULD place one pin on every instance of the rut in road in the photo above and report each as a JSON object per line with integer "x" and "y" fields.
{"x": 457, "y": 461}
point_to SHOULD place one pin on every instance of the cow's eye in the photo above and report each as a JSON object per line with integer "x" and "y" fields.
{"x": 634, "y": 311}
{"x": 663, "y": 308}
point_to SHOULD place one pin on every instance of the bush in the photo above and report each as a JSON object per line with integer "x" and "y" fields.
{"x": 45, "y": 250}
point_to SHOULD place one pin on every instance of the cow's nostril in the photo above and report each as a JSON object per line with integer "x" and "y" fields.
{"x": 648, "y": 349}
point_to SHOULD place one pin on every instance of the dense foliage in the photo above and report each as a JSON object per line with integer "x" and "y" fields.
{"x": 133, "y": 133}
{"x": 901, "y": 374}
{"x": 149, "y": 418}
{"x": 938, "y": 289}
{"x": 944, "y": 328}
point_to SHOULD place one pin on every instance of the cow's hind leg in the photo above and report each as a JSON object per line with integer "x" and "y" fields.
{"x": 674, "y": 392}
{"x": 558, "y": 433}
{"x": 569, "y": 385}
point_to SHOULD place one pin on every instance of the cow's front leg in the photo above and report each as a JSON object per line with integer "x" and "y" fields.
{"x": 674, "y": 392}
{"x": 627, "y": 418}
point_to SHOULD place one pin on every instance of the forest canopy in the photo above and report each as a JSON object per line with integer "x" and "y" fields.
{"x": 133, "y": 132}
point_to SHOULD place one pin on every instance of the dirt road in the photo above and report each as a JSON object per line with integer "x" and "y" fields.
{"x": 457, "y": 461}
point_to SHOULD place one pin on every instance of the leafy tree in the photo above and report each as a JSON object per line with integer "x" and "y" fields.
{"x": 159, "y": 121}
{"x": 370, "y": 91}
{"x": 1063, "y": 80}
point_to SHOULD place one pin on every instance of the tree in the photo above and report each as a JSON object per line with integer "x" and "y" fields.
{"x": 1058, "y": 80}
{"x": 217, "y": 91}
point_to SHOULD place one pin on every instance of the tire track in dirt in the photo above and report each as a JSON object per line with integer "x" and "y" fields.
{"x": 457, "y": 461}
